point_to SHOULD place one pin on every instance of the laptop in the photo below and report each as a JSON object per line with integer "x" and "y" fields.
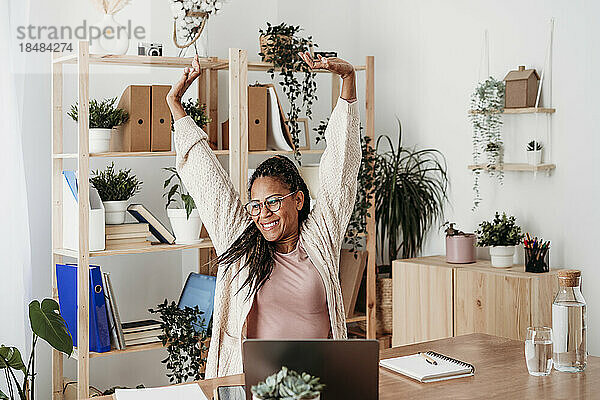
{"x": 348, "y": 368}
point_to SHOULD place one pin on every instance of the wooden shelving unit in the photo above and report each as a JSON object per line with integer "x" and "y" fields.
{"x": 237, "y": 66}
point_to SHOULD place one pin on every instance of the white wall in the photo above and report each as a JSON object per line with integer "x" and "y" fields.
{"x": 426, "y": 56}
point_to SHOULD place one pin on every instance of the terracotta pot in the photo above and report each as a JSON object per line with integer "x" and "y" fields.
{"x": 460, "y": 249}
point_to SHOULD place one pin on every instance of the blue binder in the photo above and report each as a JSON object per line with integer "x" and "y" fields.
{"x": 199, "y": 290}
{"x": 66, "y": 277}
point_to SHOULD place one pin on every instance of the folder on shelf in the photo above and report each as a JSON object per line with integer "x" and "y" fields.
{"x": 160, "y": 125}
{"x": 134, "y": 135}
{"x": 112, "y": 326}
{"x": 70, "y": 217}
{"x": 99, "y": 335}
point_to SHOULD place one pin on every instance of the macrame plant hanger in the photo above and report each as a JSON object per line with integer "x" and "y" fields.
{"x": 193, "y": 41}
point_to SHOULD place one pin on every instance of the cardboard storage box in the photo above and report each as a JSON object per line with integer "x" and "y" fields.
{"x": 160, "y": 115}
{"x": 257, "y": 120}
{"x": 70, "y": 219}
{"x": 134, "y": 135}
{"x": 521, "y": 88}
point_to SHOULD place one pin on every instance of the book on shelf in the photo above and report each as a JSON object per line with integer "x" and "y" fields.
{"x": 133, "y": 342}
{"x": 143, "y": 334}
{"x": 115, "y": 312}
{"x": 134, "y": 240}
{"x": 134, "y": 235}
{"x": 120, "y": 229}
{"x": 115, "y": 344}
{"x": 137, "y": 326}
{"x": 159, "y": 231}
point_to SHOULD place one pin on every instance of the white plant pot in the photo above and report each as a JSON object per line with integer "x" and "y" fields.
{"x": 502, "y": 256}
{"x": 187, "y": 231}
{"x": 310, "y": 174}
{"x": 114, "y": 212}
{"x": 112, "y": 40}
{"x": 255, "y": 397}
{"x": 100, "y": 140}
{"x": 534, "y": 157}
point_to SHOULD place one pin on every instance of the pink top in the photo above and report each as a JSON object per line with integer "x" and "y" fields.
{"x": 292, "y": 304}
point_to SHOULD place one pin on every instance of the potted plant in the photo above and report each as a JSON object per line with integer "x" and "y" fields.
{"x": 501, "y": 235}
{"x": 197, "y": 111}
{"x": 104, "y": 116}
{"x": 47, "y": 324}
{"x": 289, "y": 385}
{"x": 186, "y": 338}
{"x": 460, "y": 246}
{"x": 280, "y": 45}
{"x": 185, "y": 221}
{"x": 115, "y": 189}
{"x": 534, "y": 152}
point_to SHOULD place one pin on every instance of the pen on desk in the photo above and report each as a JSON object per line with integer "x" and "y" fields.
{"x": 428, "y": 359}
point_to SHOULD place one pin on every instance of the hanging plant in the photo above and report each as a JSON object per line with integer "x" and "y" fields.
{"x": 280, "y": 44}
{"x": 487, "y": 106}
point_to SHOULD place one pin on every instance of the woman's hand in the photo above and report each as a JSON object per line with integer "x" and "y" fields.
{"x": 332, "y": 64}
{"x": 178, "y": 90}
{"x": 337, "y": 66}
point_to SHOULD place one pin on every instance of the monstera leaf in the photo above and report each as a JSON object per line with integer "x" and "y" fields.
{"x": 47, "y": 323}
{"x": 10, "y": 357}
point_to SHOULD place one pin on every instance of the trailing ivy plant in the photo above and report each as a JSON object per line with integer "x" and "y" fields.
{"x": 115, "y": 186}
{"x": 184, "y": 335}
{"x": 487, "y": 106}
{"x": 178, "y": 189}
{"x": 283, "y": 43}
{"x": 357, "y": 226}
{"x": 103, "y": 114}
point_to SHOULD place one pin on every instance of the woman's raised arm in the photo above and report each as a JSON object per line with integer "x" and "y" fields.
{"x": 217, "y": 201}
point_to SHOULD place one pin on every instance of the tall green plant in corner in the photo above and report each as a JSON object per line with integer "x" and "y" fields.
{"x": 487, "y": 105}
{"x": 281, "y": 45}
{"x": 410, "y": 193}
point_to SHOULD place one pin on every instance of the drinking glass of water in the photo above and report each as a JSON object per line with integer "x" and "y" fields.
{"x": 538, "y": 350}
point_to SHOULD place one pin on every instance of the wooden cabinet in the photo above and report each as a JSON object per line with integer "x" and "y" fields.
{"x": 434, "y": 299}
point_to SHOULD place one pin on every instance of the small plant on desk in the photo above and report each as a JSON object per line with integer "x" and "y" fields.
{"x": 288, "y": 385}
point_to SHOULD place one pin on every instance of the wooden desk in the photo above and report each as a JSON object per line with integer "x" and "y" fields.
{"x": 500, "y": 373}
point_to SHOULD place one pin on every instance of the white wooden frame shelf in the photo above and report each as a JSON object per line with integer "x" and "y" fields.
{"x": 238, "y": 67}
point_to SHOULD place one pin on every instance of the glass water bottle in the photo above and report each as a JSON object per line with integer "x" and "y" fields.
{"x": 569, "y": 323}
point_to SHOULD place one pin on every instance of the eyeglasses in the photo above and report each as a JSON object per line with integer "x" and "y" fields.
{"x": 273, "y": 203}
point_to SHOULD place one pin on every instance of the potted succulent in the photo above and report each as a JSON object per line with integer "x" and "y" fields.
{"x": 185, "y": 221}
{"x": 501, "y": 235}
{"x": 115, "y": 189}
{"x": 460, "y": 246}
{"x": 287, "y": 384}
{"x": 534, "y": 152}
{"x": 104, "y": 116}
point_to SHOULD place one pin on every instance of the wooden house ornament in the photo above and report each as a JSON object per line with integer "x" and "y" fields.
{"x": 521, "y": 88}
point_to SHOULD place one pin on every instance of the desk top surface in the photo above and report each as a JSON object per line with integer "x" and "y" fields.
{"x": 500, "y": 373}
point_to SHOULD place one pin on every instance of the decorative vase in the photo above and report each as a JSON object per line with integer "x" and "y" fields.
{"x": 114, "y": 212}
{"x": 310, "y": 174}
{"x": 534, "y": 157}
{"x": 460, "y": 249}
{"x": 99, "y": 140}
{"x": 502, "y": 256}
{"x": 112, "y": 40}
{"x": 186, "y": 230}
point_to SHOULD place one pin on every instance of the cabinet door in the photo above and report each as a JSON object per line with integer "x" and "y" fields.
{"x": 492, "y": 303}
{"x": 422, "y": 303}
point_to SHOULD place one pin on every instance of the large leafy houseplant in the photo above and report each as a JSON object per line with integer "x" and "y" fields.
{"x": 287, "y": 384}
{"x": 115, "y": 186}
{"x": 103, "y": 114}
{"x": 186, "y": 339}
{"x": 410, "y": 192}
{"x": 47, "y": 324}
{"x": 282, "y": 45}
{"x": 487, "y": 105}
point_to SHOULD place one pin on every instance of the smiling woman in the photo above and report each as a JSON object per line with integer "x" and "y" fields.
{"x": 278, "y": 275}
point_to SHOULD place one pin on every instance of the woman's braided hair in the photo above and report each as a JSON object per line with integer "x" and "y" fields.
{"x": 259, "y": 251}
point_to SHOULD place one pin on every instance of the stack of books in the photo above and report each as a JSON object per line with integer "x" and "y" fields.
{"x": 126, "y": 236}
{"x": 141, "y": 332}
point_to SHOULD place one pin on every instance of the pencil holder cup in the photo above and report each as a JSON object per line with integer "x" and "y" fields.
{"x": 536, "y": 260}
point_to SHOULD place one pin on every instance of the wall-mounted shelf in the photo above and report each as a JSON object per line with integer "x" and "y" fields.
{"x": 514, "y": 167}
{"x": 526, "y": 110}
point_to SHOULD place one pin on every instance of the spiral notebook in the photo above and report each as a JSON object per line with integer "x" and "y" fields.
{"x": 416, "y": 367}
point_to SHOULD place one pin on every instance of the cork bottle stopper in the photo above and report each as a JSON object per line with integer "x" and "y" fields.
{"x": 569, "y": 277}
{"x": 521, "y": 68}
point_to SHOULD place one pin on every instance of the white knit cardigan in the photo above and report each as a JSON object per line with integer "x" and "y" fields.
{"x": 225, "y": 219}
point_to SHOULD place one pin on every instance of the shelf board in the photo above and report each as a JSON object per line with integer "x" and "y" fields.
{"x": 514, "y": 167}
{"x": 275, "y": 152}
{"x": 129, "y": 349}
{"x": 171, "y": 62}
{"x": 205, "y": 244}
{"x": 356, "y": 318}
{"x": 133, "y": 154}
{"x": 526, "y": 110}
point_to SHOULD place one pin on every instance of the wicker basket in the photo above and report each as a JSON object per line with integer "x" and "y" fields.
{"x": 264, "y": 44}
{"x": 383, "y": 305}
